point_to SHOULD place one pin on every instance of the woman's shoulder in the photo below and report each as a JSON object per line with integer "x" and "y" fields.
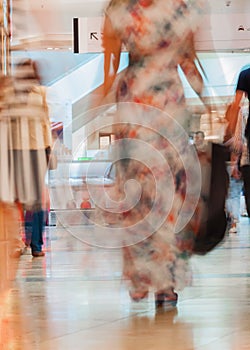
{"x": 118, "y": 6}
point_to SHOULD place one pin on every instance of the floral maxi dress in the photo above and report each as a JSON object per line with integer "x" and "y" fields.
{"x": 156, "y": 166}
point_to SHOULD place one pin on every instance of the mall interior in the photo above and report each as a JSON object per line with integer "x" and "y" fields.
{"x": 75, "y": 296}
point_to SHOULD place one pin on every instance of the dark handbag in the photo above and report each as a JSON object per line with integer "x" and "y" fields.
{"x": 209, "y": 220}
{"x": 212, "y": 218}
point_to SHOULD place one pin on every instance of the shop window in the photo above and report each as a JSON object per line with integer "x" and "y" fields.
{"x": 105, "y": 139}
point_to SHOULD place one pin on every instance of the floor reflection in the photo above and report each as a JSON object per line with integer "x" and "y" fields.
{"x": 74, "y": 298}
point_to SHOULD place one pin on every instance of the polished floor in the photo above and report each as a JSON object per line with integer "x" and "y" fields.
{"x": 74, "y": 298}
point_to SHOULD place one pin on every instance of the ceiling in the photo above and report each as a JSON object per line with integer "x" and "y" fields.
{"x": 74, "y": 5}
{"x": 42, "y": 24}
{"x": 39, "y": 25}
{"x": 48, "y": 23}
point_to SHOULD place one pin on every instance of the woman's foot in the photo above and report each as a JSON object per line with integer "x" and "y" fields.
{"x": 138, "y": 296}
{"x": 233, "y": 228}
{"x": 166, "y": 300}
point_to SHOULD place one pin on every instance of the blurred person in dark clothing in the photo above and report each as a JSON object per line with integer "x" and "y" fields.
{"x": 243, "y": 93}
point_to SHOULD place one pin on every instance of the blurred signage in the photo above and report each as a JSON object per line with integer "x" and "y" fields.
{"x": 225, "y": 32}
{"x": 87, "y": 34}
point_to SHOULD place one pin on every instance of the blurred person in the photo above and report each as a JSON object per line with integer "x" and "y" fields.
{"x": 34, "y": 230}
{"x": 244, "y": 166}
{"x": 31, "y": 135}
{"x": 245, "y": 171}
{"x": 22, "y": 157}
{"x": 233, "y": 202}
{"x": 199, "y": 141}
{"x": 234, "y": 193}
{"x": 159, "y": 37}
{"x": 243, "y": 93}
{"x": 35, "y": 222}
{"x": 25, "y": 135}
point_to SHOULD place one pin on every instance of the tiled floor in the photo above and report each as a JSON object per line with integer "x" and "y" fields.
{"x": 74, "y": 298}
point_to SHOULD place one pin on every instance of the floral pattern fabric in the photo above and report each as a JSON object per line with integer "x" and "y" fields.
{"x": 154, "y": 149}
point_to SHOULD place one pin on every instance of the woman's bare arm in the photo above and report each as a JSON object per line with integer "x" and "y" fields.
{"x": 112, "y": 50}
{"x": 187, "y": 64}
